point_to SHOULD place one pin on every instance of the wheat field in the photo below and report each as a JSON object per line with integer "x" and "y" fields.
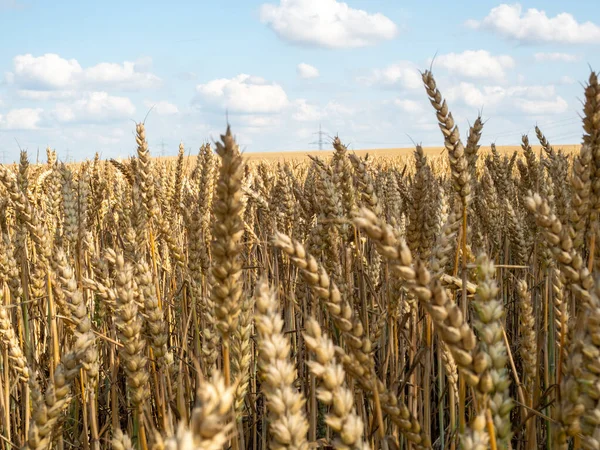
{"x": 440, "y": 299}
{"x": 399, "y": 153}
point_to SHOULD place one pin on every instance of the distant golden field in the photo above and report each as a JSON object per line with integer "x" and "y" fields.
{"x": 303, "y": 155}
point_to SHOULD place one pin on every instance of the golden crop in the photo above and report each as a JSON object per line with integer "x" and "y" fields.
{"x": 441, "y": 301}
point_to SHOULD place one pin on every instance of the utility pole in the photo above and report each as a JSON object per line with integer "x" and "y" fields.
{"x": 3, "y": 153}
{"x": 320, "y": 137}
{"x": 162, "y": 148}
{"x": 320, "y": 140}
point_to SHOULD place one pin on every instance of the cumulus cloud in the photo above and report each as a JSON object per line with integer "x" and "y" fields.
{"x": 162, "y": 108}
{"x": 102, "y": 135}
{"x": 243, "y": 94}
{"x": 534, "y": 26}
{"x": 306, "y": 112}
{"x": 52, "y": 72}
{"x": 532, "y": 100}
{"x": 326, "y": 23}
{"x": 303, "y": 111}
{"x": 48, "y": 71}
{"x": 123, "y": 76}
{"x": 472, "y": 95}
{"x": 21, "y": 119}
{"x": 556, "y": 57}
{"x": 403, "y": 74}
{"x": 94, "y": 107}
{"x": 255, "y": 124}
{"x": 476, "y": 64}
{"x": 30, "y": 94}
{"x": 476, "y": 96}
{"x": 542, "y": 107}
{"x": 113, "y": 137}
{"x": 307, "y": 71}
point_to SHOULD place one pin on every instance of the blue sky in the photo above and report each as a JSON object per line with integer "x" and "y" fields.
{"x": 76, "y": 75}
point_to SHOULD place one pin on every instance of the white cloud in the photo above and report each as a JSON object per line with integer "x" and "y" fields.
{"x": 533, "y": 91}
{"x": 108, "y": 140}
{"x": 306, "y": 112}
{"x": 403, "y": 74}
{"x": 255, "y": 124}
{"x": 542, "y": 107}
{"x": 52, "y": 72}
{"x": 244, "y": 94}
{"x": 473, "y": 96}
{"x": 48, "y": 71}
{"x": 476, "y": 64}
{"x": 532, "y": 100}
{"x": 162, "y": 108}
{"x": 534, "y": 26}
{"x": 30, "y": 94}
{"x": 304, "y": 133}
{"x": 79, "y": 94}
{"x": 307, "y": 71}
{"x": 21, "y": 119}
{"x": 326, "y": 23}
{"x": 113, "y": 137}
{"x": 102, "y": 135}
{"x": 409, "y": 106}
{"x": 95, "y": 107}
{"x": 123, "y": 76}
{"x": 556, "y": 57}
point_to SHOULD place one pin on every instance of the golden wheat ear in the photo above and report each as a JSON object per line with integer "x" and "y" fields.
{"x": 288, "y": 425}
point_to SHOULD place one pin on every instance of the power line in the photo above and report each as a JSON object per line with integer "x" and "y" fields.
{"x": 567, "y": 135}
{"x": 547, "y": 126}
{"x": 319, "y": 142}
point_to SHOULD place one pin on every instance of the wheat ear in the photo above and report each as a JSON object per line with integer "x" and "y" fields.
{"x": 288, "y": 424}
{"x": 333, "y": 391}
